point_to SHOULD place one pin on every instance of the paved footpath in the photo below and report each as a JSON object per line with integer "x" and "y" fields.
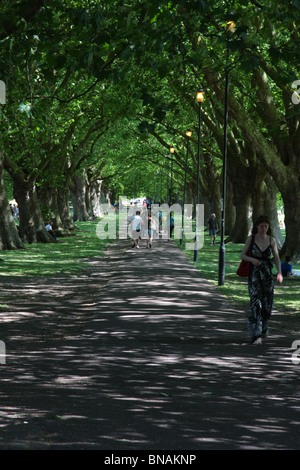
{"x": 140, "y": 352}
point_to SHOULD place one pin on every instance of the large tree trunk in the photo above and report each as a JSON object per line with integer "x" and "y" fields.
{"x": 78, "y": 195}
{"x": 264, "y": 203}
{"x": 9, "y": 238}
{"x": 95, "y": 198}
{"x": 55, "y": 206}
{"x": 210, "y": 191}
{"x": 32, "y": 225}
{"x": 241, "y": 179}
{"x": 242, "y": 223}
{"x": 230, "y": 210}
{"x": 64, "y": 209}
{"x": 291, "y": 200}
{"x": 48, "y": 202}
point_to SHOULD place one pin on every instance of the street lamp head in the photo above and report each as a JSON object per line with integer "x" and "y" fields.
{"x": 231, "y": 26}
{"x": 200, "y": 96}
{"x": 188, "y": 133}
{"x": 172, "y": 150}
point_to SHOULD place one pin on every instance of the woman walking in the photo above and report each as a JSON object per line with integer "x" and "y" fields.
{"x": 258, "y": 250}
{"x": 151, "y": 228}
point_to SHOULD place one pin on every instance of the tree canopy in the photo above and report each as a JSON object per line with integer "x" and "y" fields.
{"x": 98, "y": 91}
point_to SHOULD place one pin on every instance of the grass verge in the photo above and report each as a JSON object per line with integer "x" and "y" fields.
{"x": 51, "y": 259}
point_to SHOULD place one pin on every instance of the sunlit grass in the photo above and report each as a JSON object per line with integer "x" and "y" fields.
{"x": 63, "y": 257}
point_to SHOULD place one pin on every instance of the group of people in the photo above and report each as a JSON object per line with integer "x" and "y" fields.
{"x": 145, "y": 225}
{"x": 139, "y": 227}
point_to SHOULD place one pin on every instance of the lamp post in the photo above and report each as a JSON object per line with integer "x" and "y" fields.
{"x": 200, "y": 98}
{"x": 172, "y": 150}
{"x": 168, "y": 192}
{"x": 221, "y": 280}
{"x": 188, "y": 136}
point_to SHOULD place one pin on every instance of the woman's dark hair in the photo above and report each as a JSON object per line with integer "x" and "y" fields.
{"x": 261, "y": 219}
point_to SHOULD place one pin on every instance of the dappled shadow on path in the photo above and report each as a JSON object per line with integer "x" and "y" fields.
{"x": 139, "y": 352}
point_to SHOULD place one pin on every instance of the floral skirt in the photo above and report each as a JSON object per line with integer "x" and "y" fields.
{"x": 261, "y": 291}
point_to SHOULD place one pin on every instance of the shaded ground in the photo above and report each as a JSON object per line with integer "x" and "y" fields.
{"x": 139, "y": 352}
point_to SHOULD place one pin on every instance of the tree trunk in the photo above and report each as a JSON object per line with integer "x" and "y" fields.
{"x": 78, "y": 194}
{"x": 47, "y": 197}
{"x": 210, "y": 188}
{"x": 55, "y": 207}
{"x": 264, "y": 203}
{"x": 32, "y": 225}
{"x": 95, "y": 198}
{"x": 9, "y": 238}
{"x": 64, "y": 209}
{"x": 241, "y": 178}
{"x": 291, "y": 200}
{"x": 242, "y": 224}
{"x": 230, "y": 210}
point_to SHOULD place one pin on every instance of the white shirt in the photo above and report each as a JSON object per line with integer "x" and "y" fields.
{"x": 136, "y": 222}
